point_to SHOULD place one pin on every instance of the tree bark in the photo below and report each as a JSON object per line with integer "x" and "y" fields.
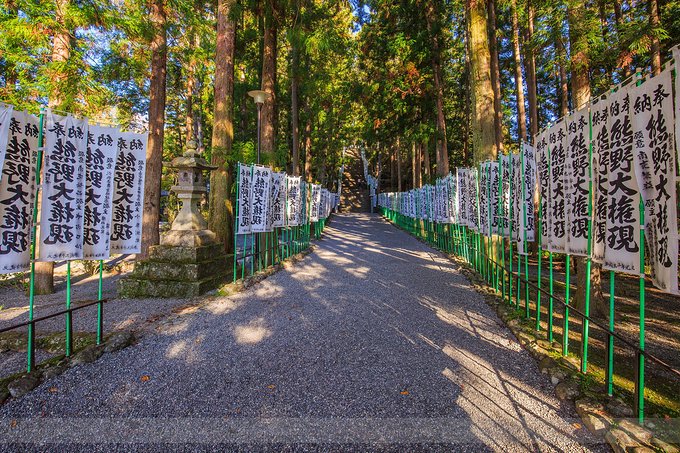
{"x": 563, "y": 89}
{"x": 61, "y": 52}
{"x": 483, "y": 132}
{"x": 653, "y": 8}
{"x": 580, "y": 91}
{"x": 519, "y": 79}
{"x": 397, "y": 150}
{"x": 426, "y": 160}
{"x": 308, "y": 144}
{"x": 417, "y": 166}
{"x": 442, "y": 153}
{"x": 154, "y": 152}
{"x": 221, "y": 215}
{"x": 495, "y": 76}
{"x": 530, "y": 67}
{"x": 269, "y": 55}
{"x": 294, "y": 108}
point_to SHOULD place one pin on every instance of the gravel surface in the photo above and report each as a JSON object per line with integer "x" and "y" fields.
{"x": 372, "y": 342}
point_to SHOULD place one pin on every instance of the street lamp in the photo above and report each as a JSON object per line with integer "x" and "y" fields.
{"x": 260, "y": 97}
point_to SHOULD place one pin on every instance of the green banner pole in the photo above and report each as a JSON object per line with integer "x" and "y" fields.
{"x": 511, "y": 223}
{"x": 69, "y": 314}
{"x": 30, "y": 346}
{"x": 586, "y": 310}
{"x": 567, "y": 288}
{"x": 100, "y": 304}
{"x": 610, "y": 338}
{"x": 238, "y": 200}
{"x": 640, "y": 378}
{"x": 501, "y": 227}
{"x": 524, "y": 233}
{"x": 539, "y": 250}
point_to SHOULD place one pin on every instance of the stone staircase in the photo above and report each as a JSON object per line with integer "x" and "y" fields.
{"x": 354, "y": 196}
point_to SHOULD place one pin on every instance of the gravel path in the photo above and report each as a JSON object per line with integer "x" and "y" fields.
{"x": 373, "y": 342}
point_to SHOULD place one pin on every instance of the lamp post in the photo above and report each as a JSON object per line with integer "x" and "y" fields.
{"x": 260, "y": 97}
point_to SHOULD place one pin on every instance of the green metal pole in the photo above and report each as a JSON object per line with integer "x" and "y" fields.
{"x": 510, "y": 220}
{"x": 539, "y": 241}
{"x": 586, "y": 308}
{"x": 100, "y": 305}
{"x": 501, "y": 227}
{"x": 238, "y": 200}
{"x": 551, "y": 305}
{"x": 69, "y": 314}
{"x": 610, "y": 338}
{"x": 565, "y": 332}
{"x": 526, "y": 245}
{"x": 640, "y": 381}
{"x": 30, "y": 347}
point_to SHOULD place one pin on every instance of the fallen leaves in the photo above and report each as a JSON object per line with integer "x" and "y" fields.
{"x": 53, "y": 390}
{"x": 145, "y": 378}
{"x": 404, "y": 392}
{"x": 13, "y": 424}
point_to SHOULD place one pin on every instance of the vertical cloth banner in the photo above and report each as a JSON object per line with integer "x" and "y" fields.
{"x": 576, "y": 181}
{"x": 278, "y": 200}
{"x": 5, "y": 119}
{"x": 244, "y": 198}
{"x": 315, "y": 202}
{"x": 293, "y": 201}
{"x": 17, "y": 193}
{"x": 505, "y": 195}
{"x": 454, "y": 207}
{"x": 599, "y": 112}
{"x": 128, "y": 193}
{"x": 484, "y": 224}
{"x": 494, "y": 198}
{"x": 100, "y": 165}
{"x": 260, "y": 198}
{"x": 526, "y": 191}
{"x": 463, "y": 194}
{"x": 653, "y": 137}
{"x": 622, "y": 247}
{"x": 543, "y": 168}
{"x": 63, "y": 189}
{"x": 473, "y": 199}
{"x": 557, "y": 239}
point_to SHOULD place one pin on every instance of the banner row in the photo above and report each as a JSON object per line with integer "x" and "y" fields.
{"x": 267, "y": 200}
{"x": 604, "y": 175}
{"x": 92, "y": 189}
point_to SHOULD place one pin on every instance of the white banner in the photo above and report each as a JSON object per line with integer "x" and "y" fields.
{"x": 473, "y": 197}
{"x": 102, "y": 150}
{"x": 463, "y": 194}
{"x": 63, "y": 189}
{"x": 260, "y": 198}
{"x": 526, "y": 192}
{"x": 17, "y": 193}
{"x": 315, "y": 202}
{"x": 5, "y": 119}
{"x": 543, "y": 173}
{"x": 484, "y": 204}
{"x": 128, "y": 193}
{"x": 506, "y": 179}
{"x": 293, "y": 201}
{"x": 576, "y": 181}
{"x": 278, "y": 200}
{"x": 557, "y": 136}
{"x": 622, "y": 246}
{"x": 654, "y": 152}
{"x": 243, "y": 206}
{"x": 600, "y": 124}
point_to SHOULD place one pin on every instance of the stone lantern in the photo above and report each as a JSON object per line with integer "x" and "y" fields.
{"x": 189, "y": 228}
{"x": 189, "y": 261}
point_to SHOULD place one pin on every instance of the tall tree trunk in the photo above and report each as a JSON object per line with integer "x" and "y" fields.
{"x": 442, "y": 153}
{"x": 190, "y": 125}
{"x": 62, "y": 44}
{"x": 294, "y": 109}
{"x": 221, "y": 216}
{"x": 519, "y": 79}
{"x": 563, "y": 91}
{"x": 483, "y": 132}
{"x": 577, "y": 14}
{"x": 393, "y": 170}
{"x": 495, "y": 76}
{"x": 154, "y": 152}
{"x": 417, "y": 165}
{"x": 653, "y": 8}
{"x": 308, "y": 143}
{"x": 426, "y": 160}
{"x": 530, "y": 67}
{"x": 269, "y": 55}
{"x": 397, "y": 150}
